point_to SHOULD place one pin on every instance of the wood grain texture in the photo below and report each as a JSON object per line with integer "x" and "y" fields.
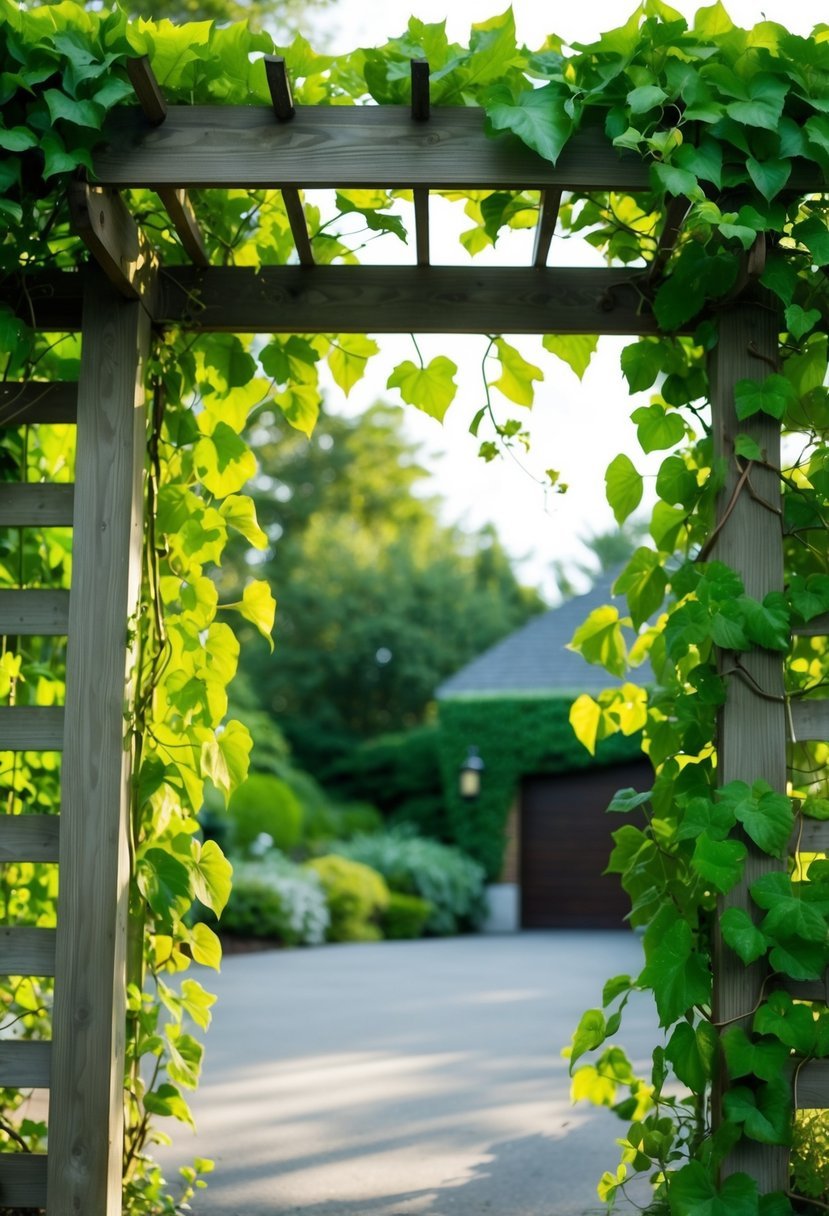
{"x": 751, "y": 736}
{"x": 546, "y": 226}
{"x": 183, "y": 218}
{"x": 25, "y": 1064}
{"x": 26, "y": 728}
{"x": 29, "y": 837}
{"x": 36, "y": 505}
{"x": 811, "y": 1090}
{"x": 818, "y": 627}
{"x": 38, "y": 401}
{"x": 342, "y": 147}
{"x": 370, "y": 299}
{"x": 27, "y": 950}
{"x": 86, "y": 1110}
{"x": 102, "y": 221}
{"x": 23, "y": 1180}
{"x": 810, "y": 721}
{"x": 404, "y": 299}
{"x": 34, "y": 613}
{"x": 810, "y": 836}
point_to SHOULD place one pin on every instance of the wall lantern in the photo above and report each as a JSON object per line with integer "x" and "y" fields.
{"x": 470, "y": 775}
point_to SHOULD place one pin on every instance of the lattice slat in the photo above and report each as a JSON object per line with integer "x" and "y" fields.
{"x": 27, "y": 950}
{"x": 36, "y": 505}
{"x": 34, "y": 613}
{"x": 25, "y": 728}
{"x": 23, "y": 1180}
{"x": 29, "y": 838}
{"x": 38, "y": 401}
{"x": 25, "y": 1064}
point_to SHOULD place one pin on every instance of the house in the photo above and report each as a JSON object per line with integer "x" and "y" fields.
{"x": 539, "y": 824}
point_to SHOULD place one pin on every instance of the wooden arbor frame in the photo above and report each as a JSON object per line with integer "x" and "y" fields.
{"x": 116, "y": 303}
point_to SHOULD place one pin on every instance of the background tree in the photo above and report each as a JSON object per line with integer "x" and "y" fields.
{"x": 378, "y": 599}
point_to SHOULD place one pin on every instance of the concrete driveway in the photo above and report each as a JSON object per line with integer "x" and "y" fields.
{"x": 407, "y": 1079}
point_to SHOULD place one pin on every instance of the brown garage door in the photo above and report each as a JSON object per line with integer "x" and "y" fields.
{"x": 565, "y": 845}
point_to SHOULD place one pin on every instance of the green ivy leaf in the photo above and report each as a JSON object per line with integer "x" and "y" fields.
{"x": 693, "y": 1051}
{"x": 693, "y": 1192}
{"x": 742, "y": 935}
{"x": 658, "y": 428}
{"x": 674, "y": 180}
{"x": 644, "y": 582}
{"x": 642, "y": 362}
{"x": 517, "y": 375}
{"x": 538, "y": 117}
{"x": 763, "y": 105}
{"x": 167, "y": 1101}
{"x": 788, "y": 915}
{"x": 615, "y": 987}
{"x": 770, "y": 396}
{"x": 748, "y": 448}
{"x": 745, "y": 1057}
{"x": 348, "y": 358}
{"x": 769, "y": 176}
{"x": 599, "y": 640}
{"x": 164, "y": 882}
{"x": 676, "y": 483}
{"x": 80, "y": 113}
{"x": 576, "y": 350}
{"x": 239, "y": 512}
{"x": 627, "y": 800}
{"x": 589, "y": 1034}
{"x": 814, "y": 234}
{"x": 767, "y": 623}
{"x": 677, "y": 973}
{"x": 799, "y": 321}
{"x": 211, "y": 873}
{"x": 17, "y": 139}
{"x": 624, "y": 487}
{"x": 765, "y": 1113}
{"x": 430, "y": 388}
{"x": 719, "y": 862}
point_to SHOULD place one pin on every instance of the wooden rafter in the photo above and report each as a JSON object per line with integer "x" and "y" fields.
{"x": 176, "y": 202}
{"x": 547, "y": 218}
{"x": 421, "y": 110}
{"x": 282, "y": 99}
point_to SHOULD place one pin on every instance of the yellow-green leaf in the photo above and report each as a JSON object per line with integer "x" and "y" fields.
{"x": 239, "y": 512}
{"x": 431, "y": 388}
{"x": 348, "y": 358}
{"x": 258, "y": 606}
{"x": 585, "y": 715}
{"x": 517, "y": 375}
{"x": 206, "y": 947}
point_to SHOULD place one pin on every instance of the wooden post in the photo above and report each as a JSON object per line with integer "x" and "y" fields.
{"x": 86, "y": 1112}
{"x": 752, "y": 733}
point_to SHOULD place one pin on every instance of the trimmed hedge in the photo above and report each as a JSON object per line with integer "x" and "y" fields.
{"x": 516, "y": 737}
{"x": 406, "y": 917}
{"x": 356, "y": 895}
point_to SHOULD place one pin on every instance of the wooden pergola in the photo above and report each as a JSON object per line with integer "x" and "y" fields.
{"x": 118, "y": 302}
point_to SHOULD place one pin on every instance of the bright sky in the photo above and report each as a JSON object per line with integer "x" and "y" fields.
{"x": 576, "y": 428}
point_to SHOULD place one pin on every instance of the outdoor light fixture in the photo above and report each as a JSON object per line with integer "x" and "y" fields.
{"x": 470, "y": 775}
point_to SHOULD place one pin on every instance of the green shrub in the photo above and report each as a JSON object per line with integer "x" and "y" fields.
{"x": 411, "y": 865}
{"x": 406, "y": 916}
{"x": 357, "y": 897}
{"x": 275, "y": 899}
{"x": 810, "y": 1154}
{"x": 265, "y": 805}
{"x": 358, "y": 819}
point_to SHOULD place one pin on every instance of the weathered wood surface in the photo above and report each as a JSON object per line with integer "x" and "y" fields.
{"x": 34, "y": 613}
{"x": 86, "y": 1110}
{"x": 810, "y": 721}
{"x": 405, "y": 299}
{"x": 23, "y": 1180}
{"x": 29, "y": 838}
{"x": 37, "y": 401}
{"x": 752, "y": 730}
{"x": 357, "y": 146}
{"x": 183, "y": 218}
{"x": 818, "y": 627}
{"x": 118, "y": 245}
{"x": 27, "y": 950}
{"x": 372, "y": 299}
{"x": 36, "y": 505}
{"x": 811, "y": 1090}
{"x": 30, "y": 728}
{"x": 811, "y": 836}
{"x": 25, "y": 1064}
{"x": 546, "y": 226}
{"x": 809, "y": 990}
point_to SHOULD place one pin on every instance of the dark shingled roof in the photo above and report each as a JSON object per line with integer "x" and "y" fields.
{"x": 534, "y": 660}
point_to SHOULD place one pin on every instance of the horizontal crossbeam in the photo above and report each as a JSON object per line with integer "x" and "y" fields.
{"x": 27, "y": 950}
{"x": 29, "y": 838}
{"x": 23, "y": 1180}
{"x": 34, "y": 613}
{"x": 38, "y": 402}
{"x": 342, "y": 147}
{"x": 371, "y": 299}
{"x": 25, "y": 1064}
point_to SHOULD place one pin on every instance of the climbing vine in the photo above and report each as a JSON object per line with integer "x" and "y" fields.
{"x": 730, "y": 121}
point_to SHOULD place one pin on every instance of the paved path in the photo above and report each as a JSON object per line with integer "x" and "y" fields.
{"x": 407, "y": 1079}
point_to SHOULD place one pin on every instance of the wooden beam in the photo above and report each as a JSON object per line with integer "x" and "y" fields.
{"x": 546, "y": 226}
{"x": 808, "y": 990}
{"x": 27, "y": 950}
{"x": 279, "y": 87}
{"x": 86, "y": 1106}
{"x": 37, "y": 401}
{"x": 810, "y": 721}
{"x": 147, "y": 90}
{"x": 102, "y": 221}
{"x": 342, "y": 147}
{"x": 29, "y": 838}
{"x": 25, "y": 1064}
{"x": 48, "y": 300}
{"x": 812, "y": 1086}
{"x": 183, "y": 218}
{"x": 31, "y": 728}
{"x": 23, "y": 1180}
{"x": 751, "y": 735}
{"x": 35, "y": 504}
{"x": 34, "y": 613}
{"x": 404, "y": 299}
{"x": 421, "y": 100}
{"x": 299, "y": 228}
{"x": 675, "y": 214}
{"x": 810, "y": 836}
{"x": 818, "y": 627}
